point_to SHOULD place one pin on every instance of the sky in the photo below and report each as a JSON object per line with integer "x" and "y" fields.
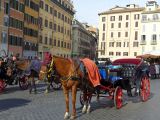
{"x": 87, "y": 10}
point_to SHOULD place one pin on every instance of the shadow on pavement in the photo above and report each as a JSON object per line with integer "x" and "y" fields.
{"x": 6, "y": 104}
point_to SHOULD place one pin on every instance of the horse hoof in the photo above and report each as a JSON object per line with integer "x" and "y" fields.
{"x": 84, "y": 109}
{"x": 66, "y": 116}
{"x": 72, "y": 117}
{"x": 46, "y": 91}
{"x": 88, "y": 110}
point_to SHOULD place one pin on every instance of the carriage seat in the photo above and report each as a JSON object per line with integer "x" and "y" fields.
{"x": 110, "y": 73}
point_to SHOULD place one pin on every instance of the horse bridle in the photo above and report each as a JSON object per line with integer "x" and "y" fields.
{"x": 65, "y": 78}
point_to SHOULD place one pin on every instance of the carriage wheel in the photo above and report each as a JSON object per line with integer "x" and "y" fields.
{"x": 56, "y": 85}
{"x": 118, "y": 97}
{"x": 81, "y": 98}
{"x": 2, "y": 85}
{"x": 23, "y": 83}
{"x": 145, "y": 88}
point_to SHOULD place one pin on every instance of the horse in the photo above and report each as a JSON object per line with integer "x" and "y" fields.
{"x": 72, "y": 77}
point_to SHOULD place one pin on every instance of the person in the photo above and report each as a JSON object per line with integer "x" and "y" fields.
{"x": 34, "y": 71}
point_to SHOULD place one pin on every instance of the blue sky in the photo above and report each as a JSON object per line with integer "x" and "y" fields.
{"x": 87, "y": 10}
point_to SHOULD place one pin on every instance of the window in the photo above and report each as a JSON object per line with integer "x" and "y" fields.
{"x": 6, "y": 8}
{"x": 111, "y": 44}
{"x": 51, "y": 10}
{"x": 111, "y": 53}
{"x": 136, "y": 35}
{"x": 58, "y": 43}
{"x": 118, "y": 53}
{"x": 40, "y": 39}
{"x": 104, "y": 27}
{"x": 112, "y": 18}
{"x": 112, "y": 25}
{"x": 120, "y": 18}
{"x": 50, "y": 25}
{"x": 135, "y": 44}
{"x": 126, "y": 34}
{"x": 124, "y": 44}
{"x": 144, "y": 17}
{"x": 119, "y": 34}
{"x": 125, "y": 53}
{"x": 55, "y": 13}
{"x": 46, "y": 7}
{"x": 103, "y": 36}
{"x": 154, "y": 37}
{"x": 126, "y": 24}
{"x": 61, "y": 43}
{"x": 103, "y": 19}
{"x": 46, "y": 39}
{"x": 127, "y": 17}
{"x": 50, "y": 41}
{"x": 41, "y": 4}
{"x": 118, "y": 44}
{"x": 59, "y": 28}
{"x": 59, "y": 15}
{"x": 119, "y": 25}
{"x": 55, "y": 27}
{"x": 136, "y": 17}
{"x": 46, "y": 23}
{"x": 143, "y": 37}
{"x": 112, "y": 35}
{"x": 136, "y": 24}
{"x": 54, "y": 42}
{"x": 135, "y": 53}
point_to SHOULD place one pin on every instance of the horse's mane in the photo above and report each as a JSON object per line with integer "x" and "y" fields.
{"x": 62, "y": 58}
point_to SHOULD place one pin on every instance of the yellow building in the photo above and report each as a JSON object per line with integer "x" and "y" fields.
{"x": 55, "y": 27}
{"x": 120, "y": 32}
{"x": 31, "y": 16}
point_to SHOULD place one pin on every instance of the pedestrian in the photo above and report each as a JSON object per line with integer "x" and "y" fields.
{"x": 35, "y": 67}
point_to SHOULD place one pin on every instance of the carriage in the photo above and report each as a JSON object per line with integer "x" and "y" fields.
{"x": 123, "y": 74}
{"x": 17, "y": 76}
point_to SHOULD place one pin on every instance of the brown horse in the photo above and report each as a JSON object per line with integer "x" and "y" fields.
{"x": 71, "y": 77}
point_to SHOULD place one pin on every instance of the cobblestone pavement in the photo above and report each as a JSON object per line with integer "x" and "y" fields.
{"x": 20, "y": 105}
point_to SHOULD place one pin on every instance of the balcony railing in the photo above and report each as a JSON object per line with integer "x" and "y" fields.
{"x": 153, "y": 42}
{"x": 143, "y": 42}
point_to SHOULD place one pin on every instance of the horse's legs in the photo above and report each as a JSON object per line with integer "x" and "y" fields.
{"x": 48, "y": 82}
{"x": 84, "y": 109}
{"x": 34, "y": 85}
{"x": 30, "y": 85}
{"x": 74, "y": 93}
{"x": 66, "y": 94}
{"x": 89, "y": 102}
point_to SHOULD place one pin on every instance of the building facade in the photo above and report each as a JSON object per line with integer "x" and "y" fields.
{"x": 84, "y": 43}
{"x": 15, "y": 30}
{"x": 119, "y": 32}
{"x": 55, "y": 27}
{"x": 4, "y": 23}
{"x": 31, "y": 15}
{"x": 150, "y": 34}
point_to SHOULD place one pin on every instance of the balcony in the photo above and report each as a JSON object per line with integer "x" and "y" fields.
{"x": 143, "y": 42}
{"x": 153, "y": 42}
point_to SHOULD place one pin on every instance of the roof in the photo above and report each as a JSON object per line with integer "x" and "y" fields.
{"x": 122, "y": 10}
{"x": 150, "y": 12}
{"x": 135, "y": 61}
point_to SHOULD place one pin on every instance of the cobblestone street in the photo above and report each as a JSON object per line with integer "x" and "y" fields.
{"x": 20, "y": 105}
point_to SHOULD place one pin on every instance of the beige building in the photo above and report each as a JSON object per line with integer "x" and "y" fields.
{"x": 119, "y": 32}
{"x": 150, "y": 34}
{"x": 55, "y": 27}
